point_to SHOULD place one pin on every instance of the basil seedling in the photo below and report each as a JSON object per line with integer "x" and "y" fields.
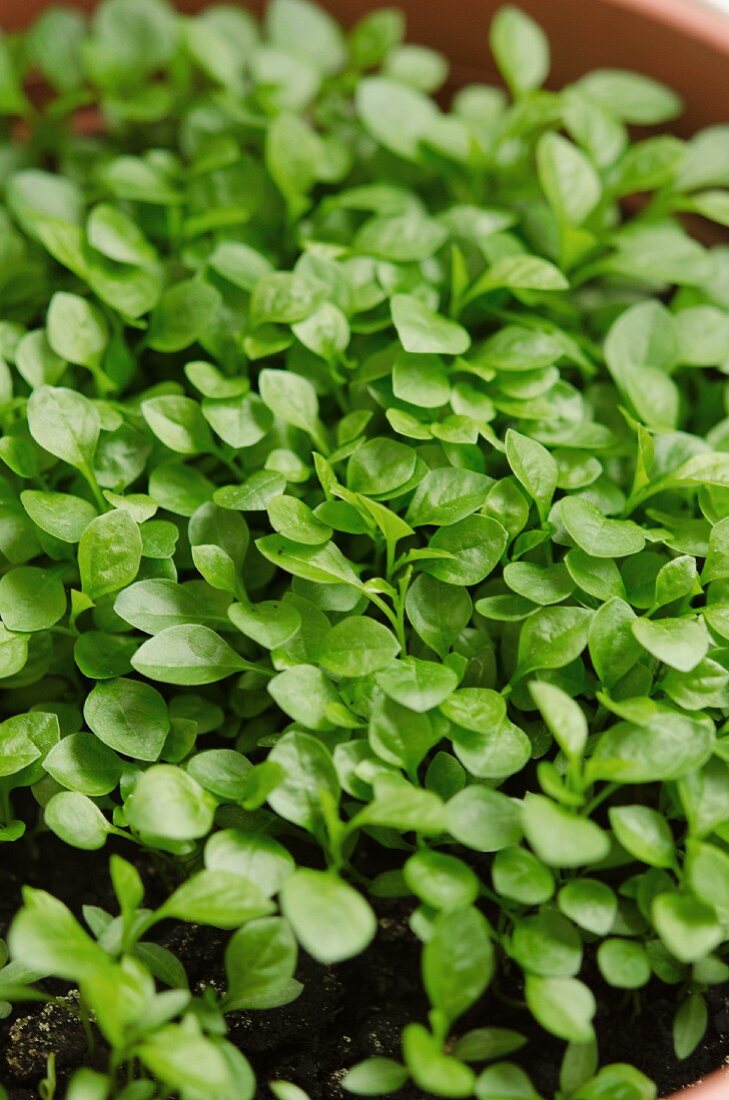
{"x": 364, "y": 481}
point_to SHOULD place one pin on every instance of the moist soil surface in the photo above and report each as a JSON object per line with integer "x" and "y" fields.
{"x": 346, "y": 1013}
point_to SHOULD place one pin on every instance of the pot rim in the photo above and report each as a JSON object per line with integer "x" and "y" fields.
{"x": 695, "y": 18}
{"x": 698, "y": 20}
{"x": 714, "y": 1087}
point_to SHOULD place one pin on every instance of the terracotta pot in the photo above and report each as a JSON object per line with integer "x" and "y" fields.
{"x": 681, "y": 42}
{"x": 715, "y": 1087}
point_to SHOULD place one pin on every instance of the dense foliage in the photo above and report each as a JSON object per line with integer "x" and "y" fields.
{"x": 365, "y": 481}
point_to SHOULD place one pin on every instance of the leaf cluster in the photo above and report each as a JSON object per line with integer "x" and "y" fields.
{"x": 364, "y": 480}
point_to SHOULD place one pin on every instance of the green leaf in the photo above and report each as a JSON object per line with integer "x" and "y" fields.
{"x": 437, "y": 1073}
{"x": 484, "y": 1044}
{"x": 179, "y": 424}
{"x": 292, "y": 398}
{"x": 374, "y": 36}
{"x": 321, "y": 564}
{"x": 624, "y": 964}
{"x": 292, "y": 154}
{"x": 117, "y": 236}
{"x": 154, "y": 605}
{"x": 547, "y": 944}
{"x": 458, "y": 961}
{"x": 552, "y": 638}
{"x": 261, "y": 859}
{"x": 46, "y": 937}
{"x": 504, "y": 1080}
{"x": 62, "y": 515}
{"x": 644, "y": 833}
{"x": 183, "y": 314}
{"x": 445, "y": 496}
{"x": 83, "y": 764}
{"x": 297, "y": 25}
{"x": 687, "y": 926}
{"x": 240, "y": 421}
{"x": 128, "y": 716}
{"x": 309, "y": 775}
{"x": 381, "y": 467}
{"x": 534, "y": 467}
{"x": 401, "y": 736}
{"x": 220, "y": 898}
{"x": 484, "y": 819}
{"x": 563, "y": 1006}
{"x": 398, "y": 805}
{"x": 590, "y": 903}
{"x": 421, "y": 380}
{"x": 561, "y": 838}
{"x": 65, "y": 424}
{"x": 568, "y": 179}
{"x": 325, "y": 333}
{"x": 614, "y": 649}
{"x": 476, "y": 544}
{"x": 306, "y": 695}
{"x": 193, "y": 1061}
{"x": 516, "y": 349}
{"x": 520, "y": 49}
{"x": 680, "y": 643}
{"x": 294, "y": 520}
{"x": 519, "y": 876}
{"x": 596, "y": 535}
{"x": 187, "y": 654}
{"x": 565, "y": 719}
{"x": 438, "y": 612}
{"x": 689, "y": 1025}
{"x": 12, "y": 97}
{"x": 396, "y": 116}
{"x": 76, "y": 820}
{"x": 357, "y": 646}
{"x": 109, "y": 554}
{"x": 441, "y": 881}
{"x": 375, "y": 1076}
{"x": 416, "y": 684}
{"x": 260, "y": 960}
{"x": 331, "y": 920}
{"x": 422, "y": 331}
{"x": 632, "y": 97}
{"x": 610, "y": 1078}
{"x": 520, "y": 272}
{"x": 271, "y": 624}
{"x": 76, "y": 329}
{"x": 649, "y": 164}
{"x": 167, "y": 802}
{"x": 31, "y": 599}
{"x": 666, "y": 745}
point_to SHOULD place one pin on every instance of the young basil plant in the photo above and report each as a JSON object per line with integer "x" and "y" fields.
{"x": 364, "y": 496}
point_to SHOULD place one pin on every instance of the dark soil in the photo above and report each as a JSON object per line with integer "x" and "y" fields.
{"x": 345, "y": 1013}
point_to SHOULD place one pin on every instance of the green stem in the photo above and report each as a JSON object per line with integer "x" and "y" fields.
{"x": 641, "y": 497}
{"x": 386, "y": 611}
{"x": 5, "y": 808}
{"x": 390, "y": 558}
{"x": 607, "y": 790}
{"x": 403, "y": 586}
{"x": 86, "y": 1023}
{"x": 229, "y": 463}
{"x": 93, "y": 484}
{"x": 249, "y": 666}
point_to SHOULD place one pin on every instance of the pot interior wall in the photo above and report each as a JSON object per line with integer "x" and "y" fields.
{"x": 681, "y": 42}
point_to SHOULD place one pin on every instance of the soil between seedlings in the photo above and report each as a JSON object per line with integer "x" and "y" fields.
{"x": 346, "y": 1013}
